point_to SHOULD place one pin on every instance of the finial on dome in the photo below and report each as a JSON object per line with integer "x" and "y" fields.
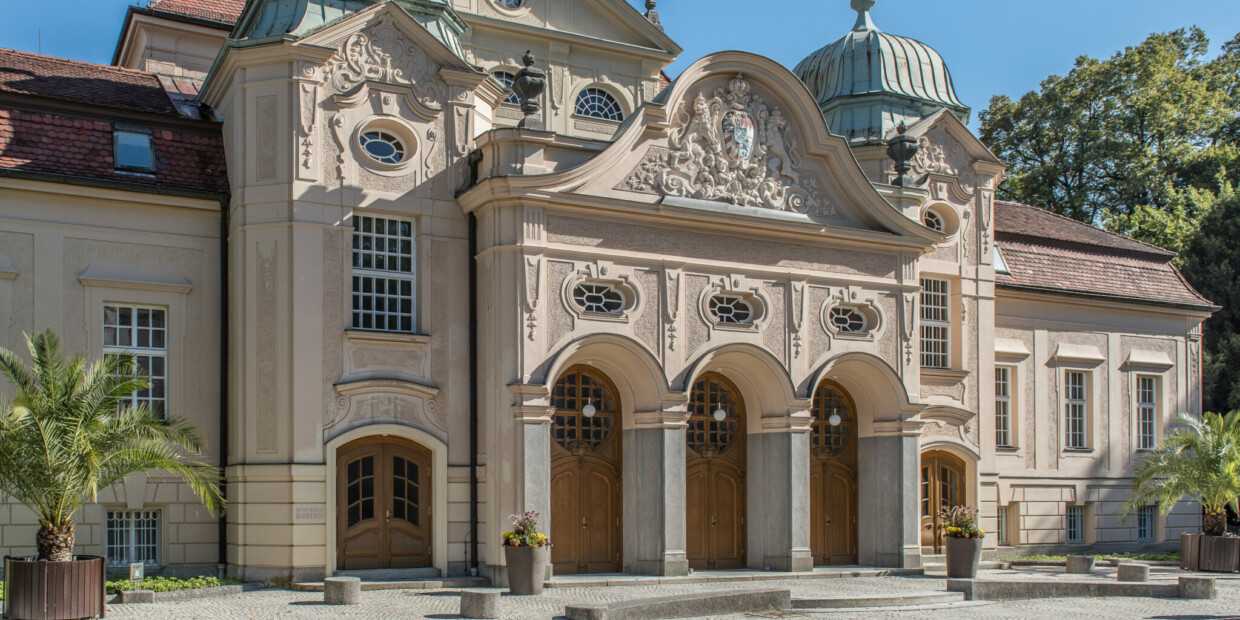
{"x": 862, "y": 7}
{"x": 652, "y": 14}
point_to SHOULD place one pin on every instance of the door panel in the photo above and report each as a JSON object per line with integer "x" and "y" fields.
{"x": 715, "y": 476}
{"x": 585, "y": 475}
{"x": 942, "y": 484}
{"x": 383, "y": 506}
{"x": 833, "y": 477}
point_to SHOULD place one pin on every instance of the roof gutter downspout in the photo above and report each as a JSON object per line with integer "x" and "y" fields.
{"x": 222, "y": 533}
{"x": 473, "y": 395}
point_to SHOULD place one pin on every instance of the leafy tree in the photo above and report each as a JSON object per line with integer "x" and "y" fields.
{"x": 1200, "y": 460}
{"x": 1212, "y": 264}
{"x": 1172, "y": 227}
{"x": 71, "y": 430}
{"x": 1117, "y": 134}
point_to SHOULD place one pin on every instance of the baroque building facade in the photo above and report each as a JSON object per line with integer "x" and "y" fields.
{"x": 696, "y": 324}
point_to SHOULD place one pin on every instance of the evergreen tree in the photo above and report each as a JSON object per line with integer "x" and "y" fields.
{"x": 1212, "y": 265}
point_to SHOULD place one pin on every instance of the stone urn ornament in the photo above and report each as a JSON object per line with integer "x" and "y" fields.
{"x": 964, "y": 541}
{"x": 529, "y": 85}
{"x": 527, "y": 552}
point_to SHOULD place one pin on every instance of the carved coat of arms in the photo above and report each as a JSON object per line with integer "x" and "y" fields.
{"x": 731, "y": 147}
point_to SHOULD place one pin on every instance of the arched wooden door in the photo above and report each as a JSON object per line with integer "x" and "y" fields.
{"x": 585, "y": 475}
{"x": 715, "y": 476}
{"x": 833, "y": 478}
{"x": 942, "y": 484}
{"x": 383, "y": 505}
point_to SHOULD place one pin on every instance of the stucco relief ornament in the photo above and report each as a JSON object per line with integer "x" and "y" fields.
{"x": 938, "y": 153}
{"x": 733, "y": 148}
{"x": 383, "y": 54}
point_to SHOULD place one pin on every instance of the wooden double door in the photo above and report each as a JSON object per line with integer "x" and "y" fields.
{"x": 942, "y": 485}
{"x": 586, "y": 500}
{"x": 833, "y": 478}
{"x": 715, "y": 476}
{"x": 383, "y": 505}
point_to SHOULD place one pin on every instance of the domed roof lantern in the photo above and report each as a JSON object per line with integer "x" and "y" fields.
{"x": 868, "y": 81}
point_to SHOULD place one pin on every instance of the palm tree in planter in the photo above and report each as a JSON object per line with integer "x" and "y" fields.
{"x": 1200, "y": 460}
{"x": 72, "y": 429}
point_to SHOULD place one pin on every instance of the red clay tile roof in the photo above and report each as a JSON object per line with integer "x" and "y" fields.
{"x": 61, "y": 144}
{"x": 23, "y": 73}
{"x": 1048, "y": 252}
{"x": 221, "y": 11}
{"x": 1017, "y": 221}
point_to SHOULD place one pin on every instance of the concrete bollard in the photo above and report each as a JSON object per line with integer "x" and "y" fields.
{"x": 1081, "y": 564}
{"x": 342, "y": 591}
{"x": 479, "y": 604}
{"x": 1198, "y": 587}
{"x": 1133, "y": 572}
{"x": 137, "y": 596}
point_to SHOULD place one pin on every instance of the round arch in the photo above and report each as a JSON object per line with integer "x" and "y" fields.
{"x": 439, "y": 482}
{"x": 636, "y": 375}
{"x": 761, "y": 379}
{"x": 877, "y": 391}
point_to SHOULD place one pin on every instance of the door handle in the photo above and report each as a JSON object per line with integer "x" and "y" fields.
{"x": 713, "y": 520}
{"x": 388, "y": 515}
{"x": 585, "y": 522}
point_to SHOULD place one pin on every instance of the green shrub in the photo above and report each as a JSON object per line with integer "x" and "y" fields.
{"x": 169, "y": 584}
{"x": 1145, "y": 557}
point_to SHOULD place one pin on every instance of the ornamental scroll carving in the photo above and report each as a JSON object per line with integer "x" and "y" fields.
{"x": 382, "y": 53}
{"x": 731, "y": 147}
{"x": 939, "y": 153}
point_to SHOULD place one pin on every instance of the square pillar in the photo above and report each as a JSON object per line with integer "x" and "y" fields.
{"x": 778, "y": 498}
{"x": 888, "y": 504}
{"x": 654, "y": 495}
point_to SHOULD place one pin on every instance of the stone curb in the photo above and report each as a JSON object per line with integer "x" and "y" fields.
{"x": 185, "y": 595}
{"x": 994, "y": 590}
{"x": 911, "y": 599}
{"x": 684, "y": 605}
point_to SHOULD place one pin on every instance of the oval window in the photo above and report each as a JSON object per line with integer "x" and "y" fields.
{"x": 731, "y": 309}
{"x": 511, "y": 4}
{"x": 847, "y": 320}
{"x": 382, "y": 146}
{"x": 598, "y": 298}
{"x": 933, "y": 221}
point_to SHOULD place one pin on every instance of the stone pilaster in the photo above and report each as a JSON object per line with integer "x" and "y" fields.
{"x": 654, "y": 495}
{"x": 779, "y": 482}
{"x": 888, "y": 515}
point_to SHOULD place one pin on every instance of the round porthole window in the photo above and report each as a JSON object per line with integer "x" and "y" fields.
{"x": 731, "y": 310}
{"x": 383, "y": 147}
{"x": 934, "y": 221}
{"x": 511, "y": 4}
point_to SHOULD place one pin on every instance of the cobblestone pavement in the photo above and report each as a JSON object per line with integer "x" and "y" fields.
{"x": 281, "y": 604}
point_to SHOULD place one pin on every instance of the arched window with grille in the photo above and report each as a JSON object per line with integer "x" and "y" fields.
{"x": 598, "y": 103}
{"x": 507, "y": 78}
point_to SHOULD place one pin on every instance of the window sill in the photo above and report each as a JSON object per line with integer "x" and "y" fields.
{"x": 1078, "y": 452}
{"x": 378, "y": 337}
{"x": 944, "y": 373}
{"x": 1007, "y": 449}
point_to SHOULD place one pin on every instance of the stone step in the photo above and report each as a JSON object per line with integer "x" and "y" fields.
{"x": 852, "y": 611}
{"x": 937, "y": 570}
{"x": 723, "y": 576}
{"x": 391, "y": 574}
{"x": 881, "y": 601}
{"x": 403, "y": 584}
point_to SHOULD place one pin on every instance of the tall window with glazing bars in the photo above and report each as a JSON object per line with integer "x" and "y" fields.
{"x": 383, "y": 274}
{"x": 1147, "y": 413}
{"x": 1003, "y": 407}
{"x": 935, "y": 324}
{"x": 1075, "y": 410}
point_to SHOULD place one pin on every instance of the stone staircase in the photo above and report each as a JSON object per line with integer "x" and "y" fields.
{"x": 909, "y": 601}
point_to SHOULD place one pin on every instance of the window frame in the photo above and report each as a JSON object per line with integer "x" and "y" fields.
{"x": 1005, "y": 409}
{"x": 507, "y": 78}
{"x": 146, "y": 133}
{"x": 932, "y": 288}
{"x": 358, "y": 274}
{"x": 1076, "y": 407}
{"x": 1003, "y": 517}
{"x": 932, "y": 215}
{"x": 717, "y": 299}
{"x": 582, "y": 305}
{"x": 1149, "y": 515}
{"x": 620, "y": 111}
{"x": 1141, "y": 407}
{"x": 1074, "y": 515}
{"x": 140, "y": 353}
{"x": 131, "y": 545}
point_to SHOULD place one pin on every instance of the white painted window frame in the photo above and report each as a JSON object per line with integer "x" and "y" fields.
{"x": 1146, "y": 390}
{"x": 1005, "y": 431}
{"x": 1075, "y": 407}
{"x": 936, "y": 327}
{"x": 144, "y": 355}
{"x": 143, "y": 536}
{"x": 383, "y": 276}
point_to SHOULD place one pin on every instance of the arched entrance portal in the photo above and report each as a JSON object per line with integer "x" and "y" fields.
{"x": 833, "y": 477}
{"x": 942, "y": 484}
{"x": 715, "y": 475}
{"x": 585, "y": 474}
{"x": 383, "y": 500}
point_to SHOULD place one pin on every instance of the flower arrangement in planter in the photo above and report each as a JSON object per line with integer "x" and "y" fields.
{"x": 71, "y": 429}
{"x": 964, "y": 541}
{"x": 1199, "y": 460}
{"x": 527, "y": 553}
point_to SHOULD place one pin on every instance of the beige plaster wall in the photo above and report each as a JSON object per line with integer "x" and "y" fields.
{"x": 75, "y": 249}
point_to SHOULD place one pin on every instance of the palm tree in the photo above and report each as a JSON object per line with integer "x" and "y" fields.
{"x": 71, "y": 429}
{"x": 1200, "y": 460}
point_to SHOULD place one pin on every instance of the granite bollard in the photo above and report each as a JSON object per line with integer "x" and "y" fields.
{"x": 342, "y": 591}
{"x": 1081, "y": 564}
{"x": 1133, "y": 572}
{"x": 479, "y": 604}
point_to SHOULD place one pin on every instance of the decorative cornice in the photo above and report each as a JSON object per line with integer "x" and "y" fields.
{"x": 386, "y": 385}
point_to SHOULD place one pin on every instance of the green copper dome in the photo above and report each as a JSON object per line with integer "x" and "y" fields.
{"x": 868, "y": 82}
{"x": 297, "y": 18}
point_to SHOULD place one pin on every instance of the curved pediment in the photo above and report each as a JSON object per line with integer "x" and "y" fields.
{"x": 737, "y": 135}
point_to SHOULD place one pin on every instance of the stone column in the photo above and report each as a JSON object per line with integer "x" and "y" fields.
{"x": 654, "y": 495}
{"x": 889, "y": 496}
{"x": 779, "y": 482}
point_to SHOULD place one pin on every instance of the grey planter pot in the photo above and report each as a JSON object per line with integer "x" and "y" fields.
{"x": 527, "y": 567}
{"x": 963, "y": 556}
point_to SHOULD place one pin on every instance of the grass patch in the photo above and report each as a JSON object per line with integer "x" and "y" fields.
{"x": 1146, "y": 557}
{"x": 170, "y": 584}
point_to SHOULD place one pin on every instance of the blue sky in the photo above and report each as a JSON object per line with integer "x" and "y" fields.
{"x": 992, "y": 46}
